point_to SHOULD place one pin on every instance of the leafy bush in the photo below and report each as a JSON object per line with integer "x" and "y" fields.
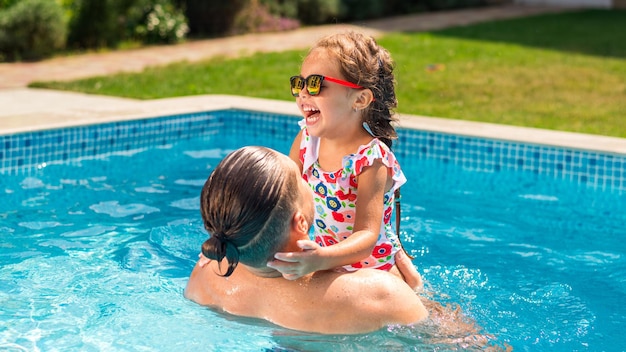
{"x": 211, "y": 17}
{"x": 94, "y": 24}
{"x": 163, "y": 23}
{"x": 100, "y": 23}
{"x": 256, "y": 17}
{"x": 5, "y": 4}
{"x": 32, "y": 29}
{"x": 362, "y": 9}
{"x": 318, "y": 11}
{"x": 451, "y": 4}
{"x": 219, "y": 17}
{"x": 325, "y": 11}
{"x": 282, "y": 8}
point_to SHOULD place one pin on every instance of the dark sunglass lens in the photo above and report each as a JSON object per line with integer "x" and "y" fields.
{"x": 314, "y": 84}
{"x": 297, "y": 83}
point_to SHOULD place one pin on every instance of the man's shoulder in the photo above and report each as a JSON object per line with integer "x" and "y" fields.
{"x": 377, "y": 294}
{"x": 370, "y": 284}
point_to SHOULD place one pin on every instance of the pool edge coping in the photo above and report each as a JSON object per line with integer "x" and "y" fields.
{"x": 56, "y": 110}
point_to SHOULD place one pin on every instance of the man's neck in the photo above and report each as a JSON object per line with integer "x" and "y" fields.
{"x": 264, "y": 272}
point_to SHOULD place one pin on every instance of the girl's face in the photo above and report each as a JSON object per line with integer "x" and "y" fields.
{"x": 330, "y": 113}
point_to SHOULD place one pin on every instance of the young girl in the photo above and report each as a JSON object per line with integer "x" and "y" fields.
{"x": 345, "y": 93}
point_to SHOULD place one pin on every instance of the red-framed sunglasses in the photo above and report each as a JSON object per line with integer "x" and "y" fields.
{"x": 314, "y": 84}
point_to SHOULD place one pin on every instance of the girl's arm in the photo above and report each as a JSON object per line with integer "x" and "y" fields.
{"x": 373, "y": 182}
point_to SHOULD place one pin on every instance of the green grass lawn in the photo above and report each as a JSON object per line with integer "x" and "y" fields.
{"x": 564, "y": 71}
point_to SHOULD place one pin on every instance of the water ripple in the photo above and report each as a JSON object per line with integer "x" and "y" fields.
{"x": 116, "y": 210}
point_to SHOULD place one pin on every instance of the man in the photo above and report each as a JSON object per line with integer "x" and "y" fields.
{"x": 255, "y": 204}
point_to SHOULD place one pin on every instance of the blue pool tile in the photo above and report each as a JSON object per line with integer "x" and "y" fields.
{"x": 23, "y": 153}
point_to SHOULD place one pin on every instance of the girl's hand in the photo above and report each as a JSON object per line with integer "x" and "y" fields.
{"x": 294, "y": 265}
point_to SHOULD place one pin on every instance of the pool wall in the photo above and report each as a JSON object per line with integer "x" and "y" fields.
{"x": 25, "y": 153}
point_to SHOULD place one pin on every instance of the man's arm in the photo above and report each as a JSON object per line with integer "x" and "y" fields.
{"x": 394, "y": 302}
{"x": 368, "y": 300}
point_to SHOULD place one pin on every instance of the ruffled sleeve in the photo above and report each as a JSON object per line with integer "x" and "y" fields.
{"x": 353, "y": 164}
{"x": 309, "y": 147}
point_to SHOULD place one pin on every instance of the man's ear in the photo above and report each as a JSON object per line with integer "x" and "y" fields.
{"x": 300, "y": 224}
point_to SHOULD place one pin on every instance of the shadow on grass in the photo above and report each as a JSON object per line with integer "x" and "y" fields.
{"x": 590, "y": 32}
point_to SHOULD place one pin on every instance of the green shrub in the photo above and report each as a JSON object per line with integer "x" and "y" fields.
{"x": 282, "y": 8}
{"x": 162, "y": 23}
{"x": 5, "y": 4}
{"x": 451, "y": 4}
{"x": 211, "y": 17}
{"x": 106, "y": 23}
{"x": 324, "y": 11}
{"x": 257, "y": 18}
{"x": 361, "y": 9}
{"x": 32, "y": 29}
{"x": 318, "y": 11}
{"x": 94, "y": 24}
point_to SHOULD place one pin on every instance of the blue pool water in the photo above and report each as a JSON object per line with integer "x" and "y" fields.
{"x": 100, "y": 229}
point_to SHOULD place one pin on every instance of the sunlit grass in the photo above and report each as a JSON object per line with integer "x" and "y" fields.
{"x": 510, "y": 84}
{"x": 537, "y": 72}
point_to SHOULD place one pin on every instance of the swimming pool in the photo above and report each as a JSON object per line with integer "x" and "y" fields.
{"x": 100, "y": 230}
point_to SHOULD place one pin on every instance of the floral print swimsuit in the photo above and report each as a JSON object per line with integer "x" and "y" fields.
{"x": 335, "y": 195}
